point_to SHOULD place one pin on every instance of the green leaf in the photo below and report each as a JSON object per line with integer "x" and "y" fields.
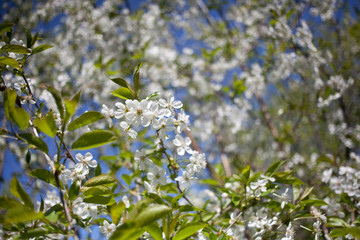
{"x": 93, "y": 139}
{"x": 33, "y": 233}
{"x": 313, "y": 202}
{"x": 46, "y": 125}
{"x": 10, "y": 61}
{"x": 28, "y": 156}
{"x": 189, "y": 230}
{"x": 123, "y": 93}
{"x": 274, "y": 167}
{"x": 15, "y": 114}
{"x": 21, "y": 214}
{"x": 150, "y": 214}
{"x": 104, "y": 179}
{"x": 127, "y": 231}
{"x": 35, "y": 141}
{"x": 41, "y": 48}
{"x": 96, "y": 190}
{"x": 74, "y": 189}
{"x": 296, "y": 192}
{"x": 8, "y": 203}
{"x": 58, "y": 99}
{"x": 18, "y": 191}
{"x": 45, "y": 176}
{"x": 85, "y": 119}
{"x": 336, "y": 222}
{"x": 20, "y": 117}
{"x": 28, "y": 38}
{"x": 306, "y": 193}
{"x": 116, "y": 211}
{"x": 5, "y": 27}
{"x": 136, "y": 77}
{"x": 154, "y": 230}
{"x": 127, "y": 179}
{"x": 175, "y": 200}
{"x": 121, "y": 82}
{"x": 104, "y": 200}
{"x": 70, "y": 105}
{"x": 354, "y": 231}
{"x": 15, "y": 49}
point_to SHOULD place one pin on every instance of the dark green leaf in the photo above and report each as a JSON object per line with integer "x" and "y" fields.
{"x": 15, "y": 49}
{"x": 28, "y": 156}
{"x": 41, "y": 48}
{"x": 58, "y": 99}
{"x": 45, "y": 176}
{"x": 137, "y": 77}
{"x": 93, "y": 139}
{"x": 85, "y": 119}
{"x": 5, "y": 27}
{"x": 274, "y": 167}
{"x": 121, "y": 82}
{"x": 35, "y": 141}
{"x": 28, "y": 38}
{"x": 33, "y": 233}
{"x": 104, "y": 179}
{"x": 74, "y": 189}
{"x": 123, "y": 93}
{"x": 189, "y": 230}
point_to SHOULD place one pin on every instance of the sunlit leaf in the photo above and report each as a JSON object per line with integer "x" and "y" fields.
{"x": 93, "y": 139}
{"x": 189, "y": 230}
{"x": 85, "y": 119}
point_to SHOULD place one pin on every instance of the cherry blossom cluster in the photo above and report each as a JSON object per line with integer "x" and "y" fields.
{"x": 81, "y": 169}
{"x": 162, "y": 117}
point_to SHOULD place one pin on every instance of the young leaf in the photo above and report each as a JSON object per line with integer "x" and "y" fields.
{"x": 58, "y": 99}
{"x": 127, "y": 231}
{"x": 154, "y": 230}
{"x": 46, "y": 125}
{"x": 15, "y": 49}
{"x": 123, "y": 93}
{"x": 189, "y": 230}
{"x": 20, "y": 117}
{"x": 104, "y": 200}
{"x": 41, "y": 48}
{"x": 104, "y": 179}
{"x": 338, "y": 232}
{"x": 150, "y": 214}
{"x": 21, "y": 214}
{"x": 10, "y": 61}
{"x": 116, "y": 211}
{"x": 96, "y": 190}
{"x": 70, "y": 105}
{"x": 18, "y": 191}
{"x": 35, "y": 141}
{"x": 85, "y": 119}
{"x": 93, "y": 139}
